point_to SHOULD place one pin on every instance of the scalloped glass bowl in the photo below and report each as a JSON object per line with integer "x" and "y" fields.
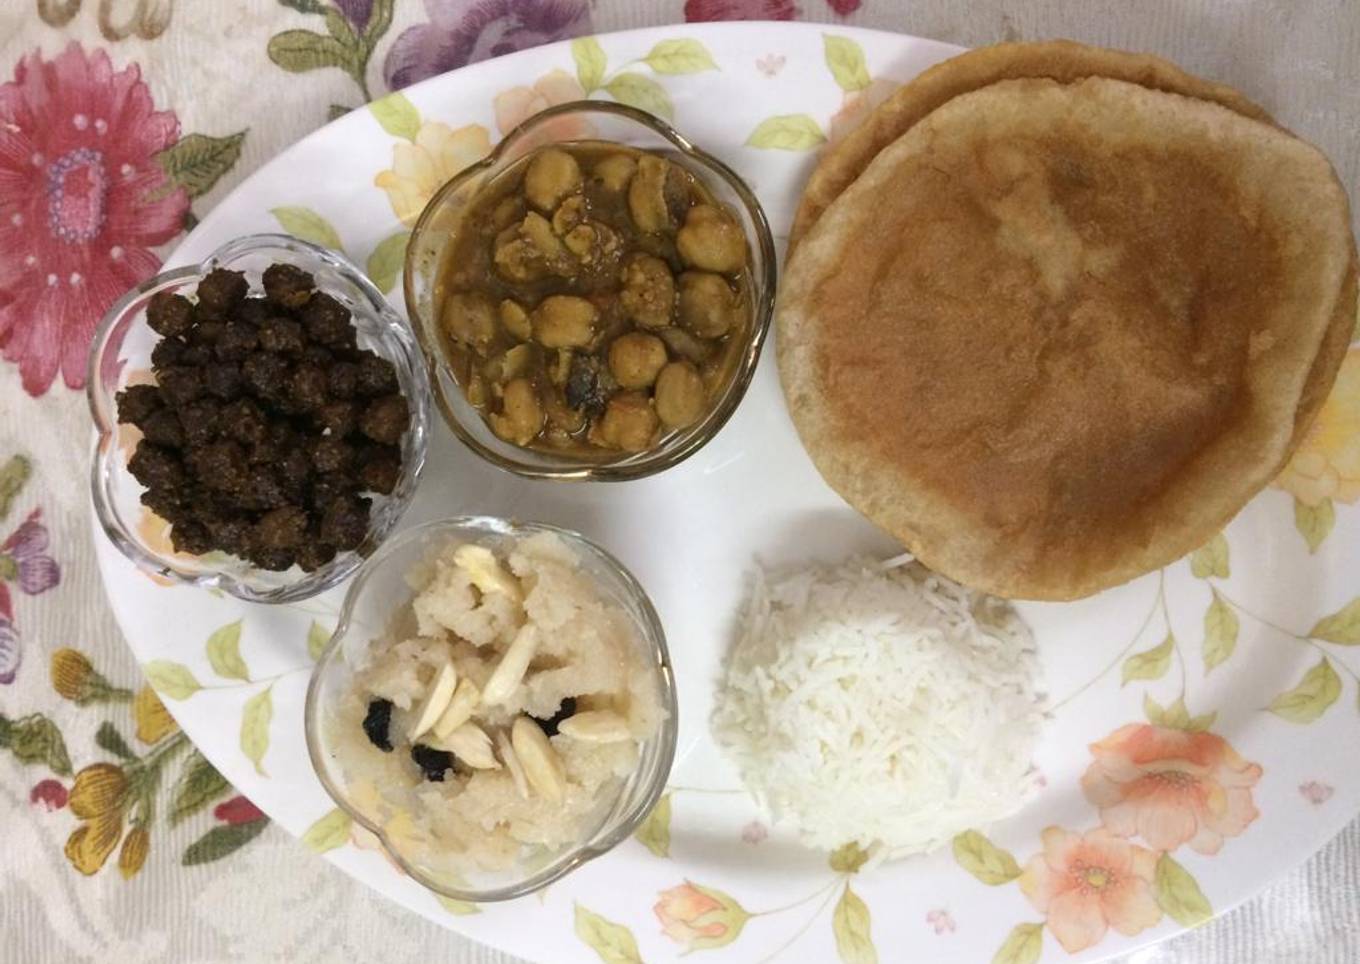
{"x": 374, "y": 599}
{"x": 583, "y": 120}
{"x": 121, "y": 355}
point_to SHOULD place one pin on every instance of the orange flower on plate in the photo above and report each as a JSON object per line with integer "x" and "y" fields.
{"x": 856, "y": 106}
{"x": 422, "y": 167}
{"x": 516, "y": 105}
{"x": 1088, "y": 883}
{"x": 99, "y": 799}
{"x": 1171, "y": 787}
{"x": 699, "y": 917}
{"x": 153, "y": 720}
{"x": 1327, "y": 462}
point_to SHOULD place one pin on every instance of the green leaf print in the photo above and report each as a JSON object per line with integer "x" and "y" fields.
{"x": 848, "y": 858}
{"x": 641, "y": 92}
{"x": 35, "y": 739}
{"x": 304, "y": 223}
{"x": 108, "y": 738}
{"x": 328, "y": 832}
{"x": 680, "y": 56}
{"x": 613, "y": 942}
{"x": 845, "y": 60}
{"x": 1220, "y": 632}
{"x": 1176, "y": 716}
{"x": 317, "y": 638}
{"x": 1178, "y": 893}
{"x": 1151, "y": 663}
{"x": 13, "y": 476}
{"x": 221, "y": 841}
{"x": 255, "y": 718}
{"x": 397, "y": 115}
{"x": 1314, "y": 522}
{"x": 199, "y": 784}
{"x": 850, "y": 924}
{"x": 655, "y": 832}
{"x": 1317, "y": 691}
{"x": 298, "y": 51}
{"x": 1341, "y": 627}
{"x": 224, "y": 652}
{"x": 458, "y": 908}
{"x": 590, "y": 62}
{"x": 387, "y": 260}
{"x": 1022, "y": 945}
{"x": 786, "y": 132}
{"x": 171, "y": 679}
{"x": 984, "y": 859}
{"x": 1210, "y": 559}
{"x": 196, "y": 161}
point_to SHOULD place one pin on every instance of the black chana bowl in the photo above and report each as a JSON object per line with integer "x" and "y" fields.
{"x": 271, "y": 341}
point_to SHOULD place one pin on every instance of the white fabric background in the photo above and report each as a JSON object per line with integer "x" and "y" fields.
{"x": 273, "y": 901}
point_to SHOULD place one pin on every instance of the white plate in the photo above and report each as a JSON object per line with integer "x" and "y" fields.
{"x": 1275, "y": 786}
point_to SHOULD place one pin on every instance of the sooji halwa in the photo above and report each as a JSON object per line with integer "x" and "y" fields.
{"x": 594, "y": 299}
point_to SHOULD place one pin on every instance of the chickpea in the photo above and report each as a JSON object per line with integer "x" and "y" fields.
{"x": 679, "y": 395}
{"x": 629, "y": 422}
{"x": 648, "y": 291}
{"x": 518, "y": 261}
{"x": 686, "y": 345}
{"x": 538, "y": 232}
{"x": 647, "y": 195}
{"x": 552, "y": 175}
{"x": 470, "y": 318}
{"x": 522, "y": 417}
{"x": 711, "y": 240}
{"x": 561, "y": 416}
{"x": 708, "y": 306}
{"x": 515, "y": 320}
{"x": 615, "y": 171}
{"x": 507, "y": 212}
{"x": 569, "y": 213}
{"x": 564, "y": 321}
{"x": 635, "y": 358}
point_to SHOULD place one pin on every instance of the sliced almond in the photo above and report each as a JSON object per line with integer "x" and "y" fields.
{"x": 486, "y": 573}
{"x": 511, "y": 761}
{"x": 465, "y": 700}
{"x": 595, "y": 726}
{"x": 512, "y": 667}
{"x": 542, "y": 766}
{"x": 470, "y": 744}
{"x": 436, "y": 701}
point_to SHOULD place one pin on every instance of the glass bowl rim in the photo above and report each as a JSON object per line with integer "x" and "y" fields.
{"x": 631, "y": 466}
{"x": 398, "y": 340}
{"x": 650, "y": 628}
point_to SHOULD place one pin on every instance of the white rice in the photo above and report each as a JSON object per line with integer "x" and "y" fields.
{"x": 881, "y": 703}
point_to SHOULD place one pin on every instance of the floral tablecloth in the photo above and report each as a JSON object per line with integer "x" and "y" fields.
{"x": 122, "y": 122}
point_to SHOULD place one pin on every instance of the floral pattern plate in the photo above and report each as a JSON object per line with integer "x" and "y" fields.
{"x": 1204, "y": 717}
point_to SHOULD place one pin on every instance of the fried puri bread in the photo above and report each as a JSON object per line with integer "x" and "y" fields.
{"x": 1056, "y": 335}
{"x": 1061, "y": 60}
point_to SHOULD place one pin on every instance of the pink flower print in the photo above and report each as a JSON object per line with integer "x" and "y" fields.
{"x": 754, "y": 832}
{"x": 1316, "y": 793}
{"x": 770, "y": 64}
{"x": 941, "y": 920}
{"x": 82, "y": 203}
{"x": 48, "y": 794}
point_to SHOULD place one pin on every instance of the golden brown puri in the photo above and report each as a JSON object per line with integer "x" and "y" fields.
{"x": 1055, "y": 336}
{"x": 1061, "y": 60}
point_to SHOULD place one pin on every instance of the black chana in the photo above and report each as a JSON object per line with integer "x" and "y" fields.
{"x": 377, "y": 722}
{"x": 564, "y": 711}
{"x": 169, "y": 314}
{"x": 287, "y": 285}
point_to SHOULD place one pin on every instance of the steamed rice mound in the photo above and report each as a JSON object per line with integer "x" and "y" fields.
{"x": 476, "y": 819}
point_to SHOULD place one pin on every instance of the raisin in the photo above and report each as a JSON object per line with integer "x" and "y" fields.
{"x": 434, "y": 764}
{"x": 169, "y": 314}
{"x": 377, "y": 723}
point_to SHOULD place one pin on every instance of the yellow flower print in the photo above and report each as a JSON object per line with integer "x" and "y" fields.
{"x": 133, "y": 855}
{"x": 1327, "y": 463}
{"x": 153, "y": 720}
{"x": 421, "y": 168}
{"x": 99, "y": 799}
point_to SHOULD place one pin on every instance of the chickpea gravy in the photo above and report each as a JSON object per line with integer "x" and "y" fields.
{"x": 594, "y": 300}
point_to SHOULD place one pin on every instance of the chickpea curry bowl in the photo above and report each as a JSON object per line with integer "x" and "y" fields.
{"x": 591, "y": 308}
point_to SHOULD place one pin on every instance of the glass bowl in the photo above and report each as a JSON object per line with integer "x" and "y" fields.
{"x": 375, "y": 597}
{"x": 121, "y": 355}
{"x": 576, "y": 121}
